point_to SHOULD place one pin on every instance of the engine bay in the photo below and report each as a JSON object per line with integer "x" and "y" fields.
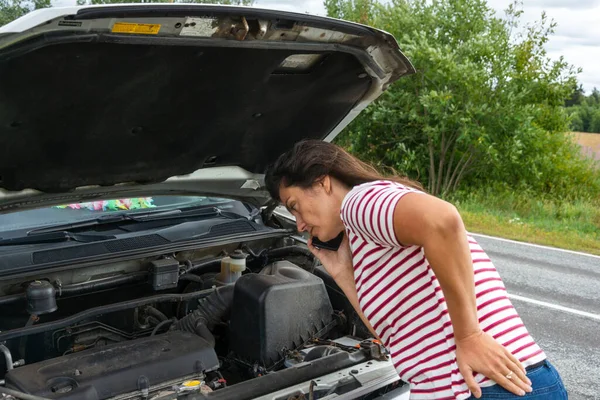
{"x": 237, "y": 321}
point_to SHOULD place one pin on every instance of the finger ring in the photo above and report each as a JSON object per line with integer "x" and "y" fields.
{"x": 509, "y": 375}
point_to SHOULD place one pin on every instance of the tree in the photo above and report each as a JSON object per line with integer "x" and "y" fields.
{"x": 594, "y": 126}
{"x": 585, "y": 114}
{"x": 577, "y": 96}
{"x": 595, "y": 97}
{"x": 13, "y": 9}
{"x": 486, "y": 103}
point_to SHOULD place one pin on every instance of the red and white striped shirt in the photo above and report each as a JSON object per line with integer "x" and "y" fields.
{"x": 402, "y": 299}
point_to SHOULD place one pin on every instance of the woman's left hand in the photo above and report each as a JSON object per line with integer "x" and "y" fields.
{"x": 483, "y": 354}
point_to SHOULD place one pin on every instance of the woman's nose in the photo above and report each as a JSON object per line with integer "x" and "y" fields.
{"x": 300, "y": 224}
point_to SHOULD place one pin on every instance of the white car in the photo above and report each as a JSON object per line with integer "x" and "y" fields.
{"x": 140, "y": 256}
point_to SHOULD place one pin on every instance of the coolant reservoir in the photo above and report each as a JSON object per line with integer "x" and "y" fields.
{"x": 231, "y": 268}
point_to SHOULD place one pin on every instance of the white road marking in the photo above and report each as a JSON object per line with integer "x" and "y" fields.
{"x": 534, "y": 245}
{"x": 555, "y": 307}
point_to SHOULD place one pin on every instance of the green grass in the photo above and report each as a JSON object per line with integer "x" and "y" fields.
{"x": 573, "y": 225}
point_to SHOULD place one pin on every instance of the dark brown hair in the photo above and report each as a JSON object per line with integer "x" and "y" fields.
{"x": 310, "y": 160}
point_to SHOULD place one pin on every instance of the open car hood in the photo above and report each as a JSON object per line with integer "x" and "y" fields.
{"x": 99, "y": 101}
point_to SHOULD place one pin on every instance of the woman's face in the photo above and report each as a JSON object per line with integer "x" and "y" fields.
{"x": 317, "y": 209}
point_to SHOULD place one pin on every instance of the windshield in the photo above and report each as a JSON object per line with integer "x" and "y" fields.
{"x": 69, "y": 213}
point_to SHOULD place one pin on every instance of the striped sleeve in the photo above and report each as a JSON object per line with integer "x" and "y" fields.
{"x": 368, "y": 211}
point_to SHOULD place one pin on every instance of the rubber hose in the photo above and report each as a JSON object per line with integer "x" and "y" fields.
{"x": 101, "y": 310}
{"x": 205, "y": 266}
{"x": 23, "y": 342}
{"x": 152, "y": 320}
{"x": 11, "y": 299}
{"x": 102, "y": 284}
{"x": 205, "y": 333}
{"x": 155, "y": 313}
{"x": 163, "y": 323}
{"x": 290, "y": 250}
{"x": 83, "y": 288}
{"x": 211, "y": 310}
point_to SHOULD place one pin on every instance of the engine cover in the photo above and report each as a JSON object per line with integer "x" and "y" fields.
{"x": 279, "y": 308}
{"x": 117, "y": 369}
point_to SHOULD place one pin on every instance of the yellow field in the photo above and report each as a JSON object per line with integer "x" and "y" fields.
{"x": 589, "y": 142}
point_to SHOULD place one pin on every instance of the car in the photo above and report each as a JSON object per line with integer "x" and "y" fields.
{"x": 140, "y": 254}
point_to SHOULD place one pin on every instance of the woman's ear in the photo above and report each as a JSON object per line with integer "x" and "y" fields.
{"x": 326, "y": 183}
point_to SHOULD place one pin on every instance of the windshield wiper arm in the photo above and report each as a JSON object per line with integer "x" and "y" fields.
{"x": 54, "y": 237}
{"x": 234, "y": 215}
{"x": 104, "y": 220}
{"x": 165, "y": 215}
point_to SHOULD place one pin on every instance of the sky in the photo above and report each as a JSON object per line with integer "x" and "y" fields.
{"x": 577, "y": 35}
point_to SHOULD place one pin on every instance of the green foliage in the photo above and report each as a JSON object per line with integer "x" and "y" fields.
{"x": 526, "y": 204}
{"x": 585, "y": 112}
{"x": 351, "y": 10}
{"x": 577, "y": 96}
{"x": 486, "y": 103}
{"x": 13, "y": 9}
{"x": 529, "y": 216}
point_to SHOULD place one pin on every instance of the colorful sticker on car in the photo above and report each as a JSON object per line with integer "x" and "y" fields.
{"x": 113, "y": 205}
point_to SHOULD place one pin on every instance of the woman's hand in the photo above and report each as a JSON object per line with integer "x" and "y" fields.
{"x": 337, "y": 263}
{"x": 481, "y": 353}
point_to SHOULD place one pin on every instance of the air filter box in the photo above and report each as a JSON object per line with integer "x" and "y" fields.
{"x": 279, "y": 308}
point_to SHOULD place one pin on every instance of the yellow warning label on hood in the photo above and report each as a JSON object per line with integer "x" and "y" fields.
{"x": 139, "y": 29}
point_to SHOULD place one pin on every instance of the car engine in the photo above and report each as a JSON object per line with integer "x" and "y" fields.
{"x": 173, "y": 326}
{"x": 108, "y": 371}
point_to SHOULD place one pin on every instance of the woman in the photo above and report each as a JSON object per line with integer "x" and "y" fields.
{"x": 419, "y": 282}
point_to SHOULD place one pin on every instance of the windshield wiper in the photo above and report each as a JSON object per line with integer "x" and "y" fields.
{"x": 54, "y": 237}
{"x": 168, "y": 215}
{"x": 103, "y": 220}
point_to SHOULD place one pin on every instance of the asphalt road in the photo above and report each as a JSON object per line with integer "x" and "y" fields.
{"x": 557, "y": 294}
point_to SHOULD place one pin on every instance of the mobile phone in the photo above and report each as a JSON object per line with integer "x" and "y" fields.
{"x": 332, "y": 244}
